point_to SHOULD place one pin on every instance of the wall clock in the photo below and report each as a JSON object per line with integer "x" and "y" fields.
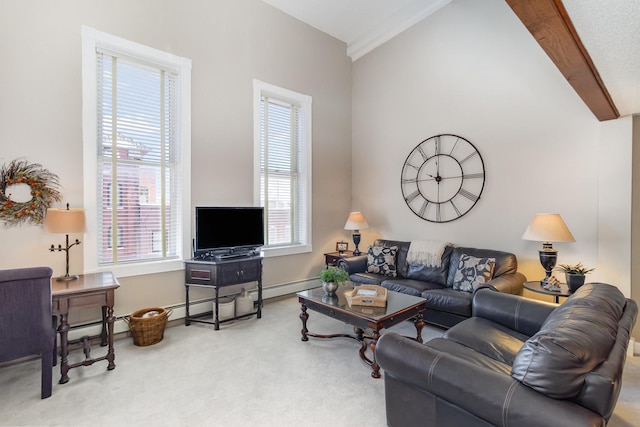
{"x": 442, "y": 178}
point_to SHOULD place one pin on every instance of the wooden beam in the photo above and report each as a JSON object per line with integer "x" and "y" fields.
{"x": 550, "y": 25}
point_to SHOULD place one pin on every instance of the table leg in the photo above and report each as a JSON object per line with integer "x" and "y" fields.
{"x": 103, "y": 333}
{"x": 375, "y": 372}
{"x": 54, "y": 325}
{"x": 304, "y": 316}
{"x": 363, "y": 345}
{"x": 419, "y": 324}
{"x": 186, "y": 297}
{"x": 259, "y": 313}
{"x": 111, "y": 354}
{"x": 63, "y": 329}
{"x": 217, "y": 319}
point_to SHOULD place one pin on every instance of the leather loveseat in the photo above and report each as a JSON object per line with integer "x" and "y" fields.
{"x": 446, "y": 305}
{"x": 516, "y": 362}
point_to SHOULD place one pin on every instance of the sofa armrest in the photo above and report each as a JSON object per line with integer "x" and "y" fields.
{"x": 521, "y": 314}
{"x": 511, "y": 283}
{"x": 355, "y": 264}
{"x": 463, "y": 384}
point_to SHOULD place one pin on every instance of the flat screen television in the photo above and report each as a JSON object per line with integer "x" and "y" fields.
{"x": 228, "y": 230}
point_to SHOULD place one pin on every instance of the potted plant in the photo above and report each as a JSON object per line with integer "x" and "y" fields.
{"x": 332, "y": 277}
{"x": 574, "y": 274}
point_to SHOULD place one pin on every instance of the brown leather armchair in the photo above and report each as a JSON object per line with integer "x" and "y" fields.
{"x": 26, "y": 326}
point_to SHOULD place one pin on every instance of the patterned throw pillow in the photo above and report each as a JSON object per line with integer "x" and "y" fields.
{"x": 382, "y": 260}
{"x": 473, "y": 272}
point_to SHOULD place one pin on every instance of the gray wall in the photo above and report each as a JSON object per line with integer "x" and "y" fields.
{"x": 230, "y": 44}
{"x": 474, "y": 70}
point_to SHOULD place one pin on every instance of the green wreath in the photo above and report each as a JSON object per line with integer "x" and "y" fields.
{"x": 44, "y": 191}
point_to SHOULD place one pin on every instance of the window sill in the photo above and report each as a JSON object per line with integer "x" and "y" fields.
{"x": 286, "y": 250}
{"x": 139, "y": 269}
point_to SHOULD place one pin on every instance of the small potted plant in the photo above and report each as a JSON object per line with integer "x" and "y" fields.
{"x": 332, "y": 277}
{"x": 574, "y": 274}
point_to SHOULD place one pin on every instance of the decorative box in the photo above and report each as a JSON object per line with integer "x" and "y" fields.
{"x": 367, "y": 295}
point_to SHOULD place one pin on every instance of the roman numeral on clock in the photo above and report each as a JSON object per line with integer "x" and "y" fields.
{"x": 468, "y": 195}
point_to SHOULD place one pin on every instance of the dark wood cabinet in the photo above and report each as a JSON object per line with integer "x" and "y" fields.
{"x": 220, "y": 273}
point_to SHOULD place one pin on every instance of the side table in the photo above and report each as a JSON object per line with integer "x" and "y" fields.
{"x": 332, "y": 258}
{"x": 537, "y": 287}
{"x": 89, "y": 290}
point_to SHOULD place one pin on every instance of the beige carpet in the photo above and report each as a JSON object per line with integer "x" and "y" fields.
{"x": 250, "y": 372}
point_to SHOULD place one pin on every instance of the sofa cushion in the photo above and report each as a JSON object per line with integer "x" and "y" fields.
{"x": 367, "y": 278}
{"x": 437, "y": 275}
{"x": 409, "y": 286}
{"x": 453, "y": 349}
{"x": 382, "y": 260}
{"x": 574, "y": 339}
{"x": 506, "y": 263}
{"x": 487, "y": 337}
{"x": 473, "y": 272}
{"x": 449, "y": 300}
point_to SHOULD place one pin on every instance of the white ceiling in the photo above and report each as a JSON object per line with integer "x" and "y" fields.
{"x": 609, "y": 29}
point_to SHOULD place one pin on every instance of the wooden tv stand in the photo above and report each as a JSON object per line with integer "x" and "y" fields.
{"x": 220, "y": 273}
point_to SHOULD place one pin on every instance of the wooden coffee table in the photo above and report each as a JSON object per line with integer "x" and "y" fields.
{"x": 400, "y": 307}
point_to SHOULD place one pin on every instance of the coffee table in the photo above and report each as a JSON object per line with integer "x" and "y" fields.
{"x": 400, "y": 307}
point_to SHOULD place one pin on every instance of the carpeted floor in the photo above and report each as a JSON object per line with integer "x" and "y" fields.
{"x": 250, "y": 372}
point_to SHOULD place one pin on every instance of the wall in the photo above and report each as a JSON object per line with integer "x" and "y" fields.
{"x": 474, "y": 70}
{"x": 635, "y": 220}
{"x": 230, "y": 44}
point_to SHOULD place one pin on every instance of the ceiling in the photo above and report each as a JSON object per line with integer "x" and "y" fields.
{"x": 608, "y": 29}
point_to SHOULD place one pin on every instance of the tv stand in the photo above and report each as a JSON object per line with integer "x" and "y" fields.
{"x": 218, "y": 273}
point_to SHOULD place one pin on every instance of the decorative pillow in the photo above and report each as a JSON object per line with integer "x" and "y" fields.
{"x": 473, "y": 272}
{"x": 382, "y": 260}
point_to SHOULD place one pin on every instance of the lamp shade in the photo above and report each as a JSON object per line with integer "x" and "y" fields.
{"x": 548, "y": 228}
{"x": 65, "y": 221}
{"x": 356, "y": 221}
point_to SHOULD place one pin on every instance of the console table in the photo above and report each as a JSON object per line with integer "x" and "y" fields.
{"x": 220, "y": 273}
{"x": 89, "y": 290}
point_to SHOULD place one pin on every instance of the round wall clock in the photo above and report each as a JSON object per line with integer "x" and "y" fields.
{"x": 442, "y": 178}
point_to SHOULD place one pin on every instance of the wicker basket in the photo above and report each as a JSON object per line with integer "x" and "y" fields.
{"x": 148, "y": 330}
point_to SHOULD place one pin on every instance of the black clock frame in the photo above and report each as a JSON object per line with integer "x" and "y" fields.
{"x": 428, "y": 157}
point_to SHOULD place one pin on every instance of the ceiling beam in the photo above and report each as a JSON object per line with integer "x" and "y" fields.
{"x": 550, "y": 25}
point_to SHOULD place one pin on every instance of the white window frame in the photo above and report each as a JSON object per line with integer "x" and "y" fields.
{"x": 91, "y": 40}
{"x": 260, "y": 89}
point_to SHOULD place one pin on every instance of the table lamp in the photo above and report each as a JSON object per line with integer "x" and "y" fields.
{"x": 65, "y": 221}
{"x": 356, "y": 222}
{"x": 547, "y": 228}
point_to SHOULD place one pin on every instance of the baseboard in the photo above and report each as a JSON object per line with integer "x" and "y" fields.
{"x": 197, "y": 307}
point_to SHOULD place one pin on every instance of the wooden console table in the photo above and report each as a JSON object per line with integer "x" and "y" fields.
{"x": 90, "y": 290}
{"x": 220, "y": 273}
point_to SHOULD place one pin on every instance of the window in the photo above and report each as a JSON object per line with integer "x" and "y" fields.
{"x": 136, "y": 103}
{"x": 282, "y": 157}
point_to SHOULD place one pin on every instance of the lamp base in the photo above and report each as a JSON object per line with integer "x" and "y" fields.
{"x": 356, "y": 242}
{"x": 548, "y": 259}
{"x": 67, "y": 278}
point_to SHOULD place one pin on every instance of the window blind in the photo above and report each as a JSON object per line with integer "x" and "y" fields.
{"x": 281, "y": 191}
{"x": 138, "y": 161}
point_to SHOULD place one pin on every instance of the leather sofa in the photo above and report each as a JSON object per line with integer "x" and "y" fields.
{"x": 516, "y": 362}
{"x": 446, "y": 306}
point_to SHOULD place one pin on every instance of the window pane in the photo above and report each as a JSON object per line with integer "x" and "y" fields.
{"x": 144, "y": 171}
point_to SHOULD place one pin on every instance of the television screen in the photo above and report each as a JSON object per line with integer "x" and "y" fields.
{"x": 228, "y": 228}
